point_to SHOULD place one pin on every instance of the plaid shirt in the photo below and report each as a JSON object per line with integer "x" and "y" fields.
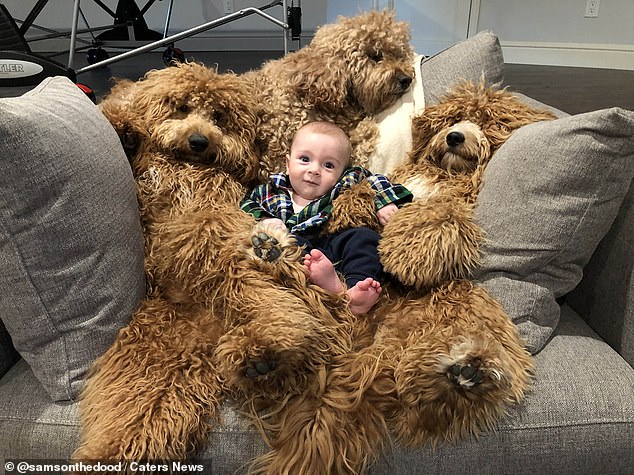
{"x": 273, "y": 199}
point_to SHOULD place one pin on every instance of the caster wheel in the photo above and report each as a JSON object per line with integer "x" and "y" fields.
{"x": 94, "y": 55}
{"x": 173, "y": 55}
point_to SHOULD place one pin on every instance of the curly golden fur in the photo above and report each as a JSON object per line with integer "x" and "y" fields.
{"x": 223, "y": 315}
{"x": 442, "y": 360}
{"x": 216, "y": 318}
{"x": 350, "y": 71}
{"x": 434, "y": 239}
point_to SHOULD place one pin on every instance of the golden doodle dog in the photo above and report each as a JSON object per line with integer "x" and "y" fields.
{"x": 214, "y": 313}
{"x": 434, "y": 239}
{"x": 351, "y": 70}
{"x": 445, "y": 360}
{"x": 459, "y": 345}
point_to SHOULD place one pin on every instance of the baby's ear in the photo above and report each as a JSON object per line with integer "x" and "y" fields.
{"x": 288, "y": 160}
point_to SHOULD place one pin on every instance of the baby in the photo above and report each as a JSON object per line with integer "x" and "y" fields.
{"x": 317, "y": 171}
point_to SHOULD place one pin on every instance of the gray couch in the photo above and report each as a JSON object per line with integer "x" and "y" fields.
{"x": 577, "y": 419}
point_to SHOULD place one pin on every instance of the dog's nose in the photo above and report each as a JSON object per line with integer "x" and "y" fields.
{"x": 455, "y": 138}
{"x": 198, "y": 143}
{"x": 404, "y": 81}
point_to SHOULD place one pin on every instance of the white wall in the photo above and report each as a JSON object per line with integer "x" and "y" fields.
{"x": 533, "y": 32}
{"x": 556, "y": 33}
{"x": 435, "y": 24}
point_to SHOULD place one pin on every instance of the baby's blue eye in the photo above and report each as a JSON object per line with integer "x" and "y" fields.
{"x": 304, "y": 158}
{"x": 329, "y": 165}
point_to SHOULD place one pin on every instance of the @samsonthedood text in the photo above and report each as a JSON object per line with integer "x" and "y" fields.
{"x": 54, "y": 467}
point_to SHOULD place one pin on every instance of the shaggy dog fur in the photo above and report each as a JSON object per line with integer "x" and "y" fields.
{"x": 216, "y": 318}
{"x": 351, "y": 70}
{"x": 457, "y": 358}
{"x": 434, "y": 239}
{"x": 445, "y": 360}
{"x": 229, "y": 309}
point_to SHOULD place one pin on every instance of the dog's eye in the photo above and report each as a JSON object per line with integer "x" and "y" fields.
{"x": 376, "y": 57}
{"x": 184, "y": 108}
{"x": 219, "y": 118}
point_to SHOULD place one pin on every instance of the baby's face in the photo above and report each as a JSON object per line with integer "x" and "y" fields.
{"x": 315, "y": 164}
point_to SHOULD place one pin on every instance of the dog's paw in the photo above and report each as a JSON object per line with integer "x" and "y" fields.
{"x": 269, "y": 243}
{"x": 266, "y": 247}
{"x": 466, "y": 376}
{"x": 466, "y": 365}
{"x": 257, "y": 368}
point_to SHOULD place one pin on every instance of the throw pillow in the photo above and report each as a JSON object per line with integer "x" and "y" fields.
{"x": 474, "y": 59}
{"x": 71, "y": 247}
{"x": 550, "y": 194}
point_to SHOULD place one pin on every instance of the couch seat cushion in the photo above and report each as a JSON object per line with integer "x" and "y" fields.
{"x": 579, "y": 415}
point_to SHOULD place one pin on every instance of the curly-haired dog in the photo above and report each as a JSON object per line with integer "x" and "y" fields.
{"x": 216, "y": 317}
{"x": 445, "y": 360}
{"x": 461, "y": 346}
{"x": 350, "y": 71}
{"x": 434, "y": 239}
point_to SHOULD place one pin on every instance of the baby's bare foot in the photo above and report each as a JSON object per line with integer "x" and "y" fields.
{"x": 321, "y": 271}
{"x": 364, "y": 295}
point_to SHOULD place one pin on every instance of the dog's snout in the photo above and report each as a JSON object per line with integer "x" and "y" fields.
{"x": 198, "y": 143}
{"x": 404, "y": 80}
{"x": 455, "y": 138}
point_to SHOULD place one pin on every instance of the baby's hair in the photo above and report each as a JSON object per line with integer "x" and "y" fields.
{"x": 328, "y": 128}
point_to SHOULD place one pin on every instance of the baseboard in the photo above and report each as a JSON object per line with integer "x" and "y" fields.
{"x": 587, "y": 55}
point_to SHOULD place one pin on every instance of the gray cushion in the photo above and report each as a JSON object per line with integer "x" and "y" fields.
{"x": 578, "y": 419}
{"x": 478, "y": 57}
{"x": 550, "y": 194}
{"x": 71, "y": 248}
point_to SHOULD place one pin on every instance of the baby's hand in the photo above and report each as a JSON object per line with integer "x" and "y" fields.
{"x": 386, "y": 213}
{"x": 275, "y": 222}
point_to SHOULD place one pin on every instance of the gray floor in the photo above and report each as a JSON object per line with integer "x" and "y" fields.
{"x": 574, "y": 90}
{"x": 100, "y": 80}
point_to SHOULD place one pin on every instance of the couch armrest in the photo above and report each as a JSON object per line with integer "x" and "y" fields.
{"x": 605, "y": 296}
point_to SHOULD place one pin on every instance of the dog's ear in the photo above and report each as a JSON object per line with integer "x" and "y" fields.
{"x": 507, "y": 114}
{"x": 117, "y": 108}
{"x": 424, "y": 127}
{"x": 320, "y": 80}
